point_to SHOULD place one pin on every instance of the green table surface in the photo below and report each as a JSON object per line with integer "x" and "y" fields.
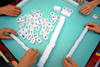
{"x": 70, "y": 32}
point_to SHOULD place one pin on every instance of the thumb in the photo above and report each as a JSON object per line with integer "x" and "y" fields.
{"x": 6, "y": 37}
{"x": 71, "y": 60}
{"x": 91, "y": 28}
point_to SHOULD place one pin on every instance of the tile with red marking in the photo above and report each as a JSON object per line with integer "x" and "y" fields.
{"x": 32, "y": 40}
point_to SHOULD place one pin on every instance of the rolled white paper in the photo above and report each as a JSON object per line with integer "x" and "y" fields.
{"x": 22, "y": 3}
{"x": 19, "y": 42}
{"x": 71, "y": 2}
{"x": 77, "y": 42}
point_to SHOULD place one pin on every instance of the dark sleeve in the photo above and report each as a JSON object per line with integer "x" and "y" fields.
{"x": 6, "y": 2}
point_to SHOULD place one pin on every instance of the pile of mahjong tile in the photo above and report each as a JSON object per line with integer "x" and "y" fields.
{"x": 28, "y": 24}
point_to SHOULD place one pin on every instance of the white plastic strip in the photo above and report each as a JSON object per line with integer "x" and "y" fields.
{"x": 71, "y": 2}
{"x": 52, "y": 42}
{"x": 77, "y": 42}
{"x": 22, "y": 3}
{"x": 19, "y": 42}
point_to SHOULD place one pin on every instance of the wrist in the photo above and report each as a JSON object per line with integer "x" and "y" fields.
{"x": 23, "y": 65}
{"x": 96, "y": 2}
{"x": 1, "y": 10}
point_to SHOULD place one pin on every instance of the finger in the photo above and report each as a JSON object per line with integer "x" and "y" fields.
{"x": 6, "y": 37}
{"x": 89, "y": 24}
{"x": 67, "y": 59}
{"x": 31, "y": 49}
{"x": 88, "y": 13}
{"x": 67, "y": 63}
{"x": 76, "y": 0}
{"x": 64, "y": 59}
{"x": 9, "y": 30}
{"x": 82, "y": 2}
{"x": 86, "y": 24}
{"x": 36, "y": 54}
{"x": 82, "y": 8}
{"x": 16, "y": 13}
{"x": 64, "y": 64}
{"x": 16, "y": 10}
{"x": 85, "y": 12}
{"x": 79, "y": 1}
{"x": 12, "y": 14}
{"x": 36, "y": 51}
{"x": 71, "y": 60}
{"x": 17, "y": 7}
{"x": 91, "y": 28}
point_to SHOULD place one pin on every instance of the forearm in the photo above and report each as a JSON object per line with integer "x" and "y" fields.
{"x": 24, "y": 65}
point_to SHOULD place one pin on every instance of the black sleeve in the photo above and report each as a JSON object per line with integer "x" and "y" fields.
{"x": 6, "y": 2}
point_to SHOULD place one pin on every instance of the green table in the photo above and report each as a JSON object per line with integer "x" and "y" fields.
{"x": 69, "y": 34}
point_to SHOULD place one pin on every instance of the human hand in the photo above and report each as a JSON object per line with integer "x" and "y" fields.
{"x": 80, "y": 1}
{"x": 67, "y": 64}
{"x": 6, "y": 30}
{"x": 10, "y": 10}
{"x": 88, "y": 8}
{"x": 93, "y": 26}
{"x": 29, "y": 58}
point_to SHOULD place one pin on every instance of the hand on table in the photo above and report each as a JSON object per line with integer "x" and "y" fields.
{"x": 6, "y": 30}
{"x": 67, "y": 64}
{"x": 93, "y": 26}
{"x": 88, "y": 7}
{"x": 10, "y": 10}
{"x": 80, "y": 1}
{"x": 29, "y": 58}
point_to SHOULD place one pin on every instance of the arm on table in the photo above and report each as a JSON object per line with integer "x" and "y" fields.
{"x": 93, "y": 26}
{"x": 29, "y": 58}
{"x": 6, "y": 30}
{"x": 10, "y": 10}
{"x": 88, "y": 7}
